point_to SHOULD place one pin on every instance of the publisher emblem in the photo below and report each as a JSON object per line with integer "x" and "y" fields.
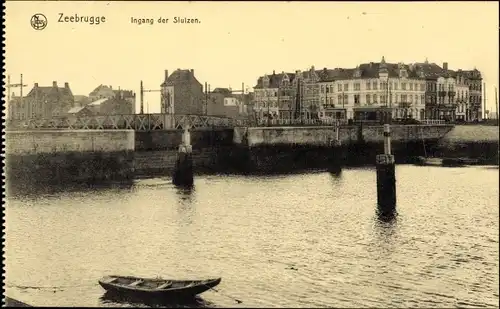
{"x": 38, "y": 21}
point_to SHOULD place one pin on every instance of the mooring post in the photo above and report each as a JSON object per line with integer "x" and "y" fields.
{"x": 386, "y": 178}
{"x": 183, "y": 173}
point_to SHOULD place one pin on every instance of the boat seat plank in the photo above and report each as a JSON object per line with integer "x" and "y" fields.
{"x": 135, "y": 283}
{"x": 164, "y": 285}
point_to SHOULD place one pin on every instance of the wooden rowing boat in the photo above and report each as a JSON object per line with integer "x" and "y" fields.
{"x": 157, "y": 287}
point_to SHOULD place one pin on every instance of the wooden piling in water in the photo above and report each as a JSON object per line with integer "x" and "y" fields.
{"x": 183, "y": 173}
{"x": 386, "y": 178}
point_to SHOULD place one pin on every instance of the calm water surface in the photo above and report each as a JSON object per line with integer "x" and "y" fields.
{"x": 441, "y": 251}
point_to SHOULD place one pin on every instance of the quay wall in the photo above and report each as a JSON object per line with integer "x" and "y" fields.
{"x": 171, "y": 139}
{"x": 38, "y": 158}
{"x": 326, "y": 135}
{"x": 473, "y": 141}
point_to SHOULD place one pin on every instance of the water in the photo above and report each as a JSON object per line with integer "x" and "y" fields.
{"x": 441, "y": 251}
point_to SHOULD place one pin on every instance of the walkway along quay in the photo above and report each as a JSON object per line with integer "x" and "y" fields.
{"x": 35, "y": 157}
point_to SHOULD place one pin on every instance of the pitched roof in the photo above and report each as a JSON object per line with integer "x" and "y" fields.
{"x": 43, "y": 92}
{"x": 98, "y": 102}
{"x": 274, "y": 80}
{"x": 76, "y": 109}
{"x": 180, "y": 76}
{"x": 101, "y": 87}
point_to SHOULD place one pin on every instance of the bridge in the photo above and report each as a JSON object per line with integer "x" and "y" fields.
{"x": 159, "y": 121}
{"x": 136, "y": 122}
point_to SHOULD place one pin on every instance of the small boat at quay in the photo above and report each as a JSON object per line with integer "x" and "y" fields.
{"x": 426, "y": 161}
{"x": 157, "y": 287}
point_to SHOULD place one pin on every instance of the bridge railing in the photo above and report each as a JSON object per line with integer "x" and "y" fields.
{"x": 298, "y": 122}
{"x": 137, "y": 122}
{"x": 433, "y": 121}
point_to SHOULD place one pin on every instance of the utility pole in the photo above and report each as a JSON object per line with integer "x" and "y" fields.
{"x": 484, "y": 101}
{"x": 9, "y": 86}
{"x": 496, "y": 107}
{"x": 206, "y": 99}
{"x": 142, "y": 99}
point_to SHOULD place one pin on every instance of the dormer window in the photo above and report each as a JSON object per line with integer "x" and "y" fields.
{"x": 357, "y": 73}
{"x": 265, "y": 82}
{"x": 403, "y": 73}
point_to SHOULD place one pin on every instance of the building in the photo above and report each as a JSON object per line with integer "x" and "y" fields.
{"x": 224, "y": 103}
{"x": 81, "y": 100}
{"x": 42, "y": 103}
{"x": 463, "y": 110}
{"x": 182, "y": 93}
{"x": 101, "y": 92}
{"x": 274, "y": 96}
{"x": 80, "y": 111}
{"x": 121, "y": 103}
{"x": 474, "y": 80}
{"x": 372, "y": 91}
{"x": 115, "y": 97}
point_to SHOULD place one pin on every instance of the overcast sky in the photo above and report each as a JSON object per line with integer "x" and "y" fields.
{"x": 237, "y": 42}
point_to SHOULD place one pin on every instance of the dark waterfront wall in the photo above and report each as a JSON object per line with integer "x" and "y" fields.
{"x": 73, "y": 167}
{"x": 287, "y": 158}
{"x": 162, "y": 162}
{"x": 44, "y": 158}
{"x": 171, "y": 139}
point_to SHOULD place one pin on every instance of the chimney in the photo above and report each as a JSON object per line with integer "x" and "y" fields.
{"x": 445, "y": 66}
{"x": 54, "y": 84}
{"x": 66, "y": 85}
{"x": 192, "y": 71}
{"x": 274, "y": 72}
{"x": 166, "y": 74}
{"x": 36, "y": 85}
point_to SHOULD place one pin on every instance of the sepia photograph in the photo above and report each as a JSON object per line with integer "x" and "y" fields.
{"x": 274, "y": 154}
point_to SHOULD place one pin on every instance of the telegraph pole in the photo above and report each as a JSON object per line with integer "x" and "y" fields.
{"x": 9, "y": 86}
{"x": 206, "y": 99}
{"x": 142, "y": 99}
{"x": 142, "y": 96}
{"x": 496, "y": 107}
{"x": 484, "y": 101}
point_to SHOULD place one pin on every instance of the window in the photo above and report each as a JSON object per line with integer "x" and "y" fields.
{"x": 322, "y": 89}
{"x": 422, "y": 87}
{"x": 357, "y": 86}
{"x": 331, "y": 88}
{"x": 411, "y": 86}
{"x": 339, "y": 87}
{"x": 339, "y": 99}
{"x": 403, "y": 98}
{"x": 356, "y": 99}
{"x": 416, "y": 99}
{"x": 346, "y": 99}
{"x": 403, "y": 86}
{"x": 368, "y": 99}
{"x": 346, "y": 87}
{"x": 411, "y": 98}
{"x": 395, "y": 85}
{"x": 375, "y": 85}
{"x": 422, "y": 99}
{"x": 374, "y": 99}
{"x": 383, "y": 99}
{"x": 368, "y": 85}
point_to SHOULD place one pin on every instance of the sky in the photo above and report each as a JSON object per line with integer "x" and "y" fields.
{"x": 236, "y": 42}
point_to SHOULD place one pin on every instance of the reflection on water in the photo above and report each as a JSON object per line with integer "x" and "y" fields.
{"x": 114, "y": 299}
{"x": 314, "y": 239}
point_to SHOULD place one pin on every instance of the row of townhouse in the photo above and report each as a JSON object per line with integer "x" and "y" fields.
{"x": 46, "y": 102}
{"x": 371, "y": 90}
